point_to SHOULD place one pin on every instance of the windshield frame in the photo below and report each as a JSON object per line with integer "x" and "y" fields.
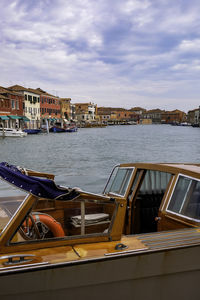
{"x": 181, "y": 215}
{"x": 123, "y": 184}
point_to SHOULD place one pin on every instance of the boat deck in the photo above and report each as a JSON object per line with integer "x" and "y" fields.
{"x": 171, "y": 239}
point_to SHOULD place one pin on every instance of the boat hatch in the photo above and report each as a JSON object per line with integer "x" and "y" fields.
{"x": 119, "y": 181}
{"x": 185, "y": 200}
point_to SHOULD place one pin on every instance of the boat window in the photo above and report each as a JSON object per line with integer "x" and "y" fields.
{"x": 154, "y": 182}
{"x": 10, "y": 201}
{"x": 52, "y": 219}
{"x": 186, "y": 198}
{"x": 119, "y": 181}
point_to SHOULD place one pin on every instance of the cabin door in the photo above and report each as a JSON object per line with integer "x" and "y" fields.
{"x": 147, "y": 200}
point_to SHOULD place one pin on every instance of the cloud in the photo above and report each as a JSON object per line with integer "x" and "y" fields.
{"x": 116, "y": 51}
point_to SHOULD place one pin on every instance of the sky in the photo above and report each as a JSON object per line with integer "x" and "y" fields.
{"x": 118, "y": 53}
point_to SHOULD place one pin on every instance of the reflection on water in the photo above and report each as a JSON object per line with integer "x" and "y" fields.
{"x": 85, "y": 158}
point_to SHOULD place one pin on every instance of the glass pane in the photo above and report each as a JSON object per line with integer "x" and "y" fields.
{"x": 155, "y": 182}
{"x": 179, "y": 194}
{"x": 119, "y": 181}
{"x": 186, "y": 198}
{"x": 10, "y": 200}
{"x": 192, "y": 205}
{"x": 69, "y": 219}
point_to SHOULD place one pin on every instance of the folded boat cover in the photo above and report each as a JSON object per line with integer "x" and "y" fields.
{"x": 39, "y": 187}
{"x": 90, "y": 219}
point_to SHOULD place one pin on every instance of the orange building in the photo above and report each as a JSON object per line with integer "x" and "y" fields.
{"x": 175, "y": 116}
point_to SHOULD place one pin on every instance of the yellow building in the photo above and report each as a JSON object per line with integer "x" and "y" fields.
{"x": 65, "y": 106}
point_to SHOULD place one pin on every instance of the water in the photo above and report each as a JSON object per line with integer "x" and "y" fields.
{"x": 85, "y": 158}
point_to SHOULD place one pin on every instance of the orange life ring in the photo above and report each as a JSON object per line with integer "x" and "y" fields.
{"x": 50, "y": 222}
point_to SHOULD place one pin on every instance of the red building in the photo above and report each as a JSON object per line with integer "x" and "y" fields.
{"x": 11, "y": 107}
{"x": 50, "y": 108}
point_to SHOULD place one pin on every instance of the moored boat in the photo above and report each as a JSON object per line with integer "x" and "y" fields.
{"x": 32, "y": 131}
{"x": 11, "y": 132}
{"x": 139, "y": 237}
{"x": 71, "y": 129}
{"x": 57, "y": 129}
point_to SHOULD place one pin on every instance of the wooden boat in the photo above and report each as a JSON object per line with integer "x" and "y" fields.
{"x": 139, "y": 239}
{"x": 11, "y": 132}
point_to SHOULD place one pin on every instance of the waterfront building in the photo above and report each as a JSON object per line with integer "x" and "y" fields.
{"x": 104, "y": 115}
{"x": 137, "y": 110}
{"x": 173, "y": 117}
{"x": 154, "y": 114}
{"x": 11, "y": 108}
{"x": 111, "y": 115}
{"x": 193, "y": 116}
{"x": 145, "y": 121}
{"x": 66, "y": 109}
{"x": 31, "y": 105}
{"x": 86, "y": 112}
{"x": 50, "y": 109}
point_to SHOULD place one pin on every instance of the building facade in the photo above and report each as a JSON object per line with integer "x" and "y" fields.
{"x": 49, "y": 107}
{"x": 31, "y": 106}
{"x": 66, "y": 109}
{"x": 11, "y": 108}
{"x": 173, "y": 117}
{"x": 86, "y": 112}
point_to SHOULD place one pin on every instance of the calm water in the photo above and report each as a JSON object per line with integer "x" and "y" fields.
{"x": 85, "y": 158}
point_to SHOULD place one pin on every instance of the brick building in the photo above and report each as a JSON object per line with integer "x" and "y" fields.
{"x": 49, "y": 107}
{"x": 11, "y": 108}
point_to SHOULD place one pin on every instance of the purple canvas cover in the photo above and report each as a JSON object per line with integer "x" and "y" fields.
{"x": 39, "y": 187}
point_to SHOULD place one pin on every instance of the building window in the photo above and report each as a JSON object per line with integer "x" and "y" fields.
{"x": 25, "y": 97}
{"x": 17, "y": 105}
{"x": 13, "y": 104}
{"x": 30, "y": 98}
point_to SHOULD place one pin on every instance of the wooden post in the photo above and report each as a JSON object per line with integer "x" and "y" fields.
{"x": 3, "y": 129}
{"x": 82, "y": 217}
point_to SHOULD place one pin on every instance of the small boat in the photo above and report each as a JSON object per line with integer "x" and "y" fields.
{"x": 140, "y": 237}
{"x": 57, "y": 129}
{"x": 71, "y": 129}
{"x": 32, "y": 131}
{"x": 11, "y": 132}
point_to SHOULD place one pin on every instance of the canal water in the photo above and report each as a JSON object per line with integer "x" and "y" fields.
{"x": 85, "y": 158}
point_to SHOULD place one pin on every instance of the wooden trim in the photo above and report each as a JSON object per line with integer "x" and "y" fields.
{"x": 133, "y": 199}
{"x": 16, "y": 221}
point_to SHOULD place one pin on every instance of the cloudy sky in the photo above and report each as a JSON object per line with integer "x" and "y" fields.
{"x": 121, "y": 53}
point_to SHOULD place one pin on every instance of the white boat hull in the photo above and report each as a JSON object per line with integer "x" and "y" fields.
{"x": 159, "y": 275}
{"x": 9, "y": 132}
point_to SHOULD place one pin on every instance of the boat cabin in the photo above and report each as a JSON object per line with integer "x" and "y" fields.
{"x": 138, "y": 198}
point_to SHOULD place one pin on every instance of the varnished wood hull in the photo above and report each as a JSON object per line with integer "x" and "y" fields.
{"x": 148, "y": 275}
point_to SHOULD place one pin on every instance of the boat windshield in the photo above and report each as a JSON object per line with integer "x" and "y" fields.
{"x": 119, "y": 180}
{"x": 10, "y": 200}
{"x": 185, "y": 200}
